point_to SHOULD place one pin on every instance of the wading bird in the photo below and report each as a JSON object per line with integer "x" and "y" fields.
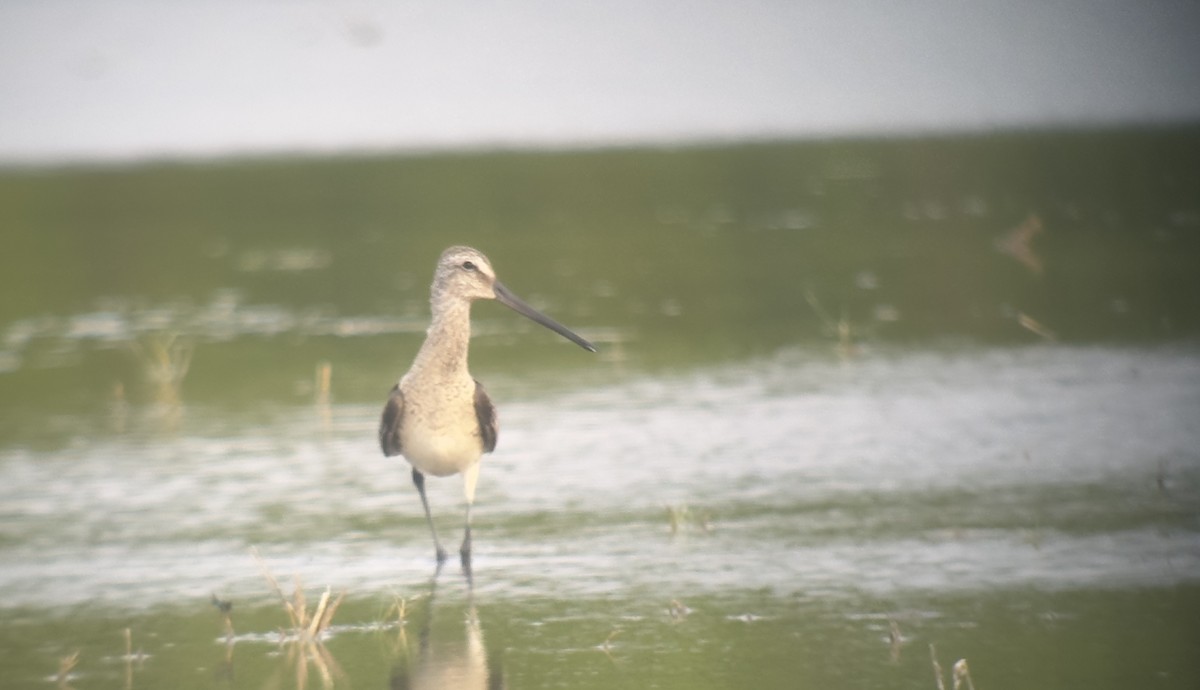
{"x": 439, "y": 417}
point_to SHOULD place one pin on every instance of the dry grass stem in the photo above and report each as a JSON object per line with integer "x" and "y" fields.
{"x": 128, "y": 658}
{"x": 397, "y": 611}
{"x": 606, "y": 646}
{"x": 65, "y": 665}
{"x": 305, "y": 645}
{"x": 1018, "y": 243}
{"x": 611, "y": 636}
{"x": 288, "y": 607}
{"x": 937, "y": 668}
{"x": 400, "y": 606}
{"x": 1036, "y": 327}
{"x": 895, "y": 640}
{"x": 165, "y": 359}
{"x": 315, "y": 622}
{"x": 323, "y": 616}
{"x": 296, "y": 606}
{"x": 322, "y": 383}
{"x": 321, "y": 396}
{"x": 841, "y": 328}
{"x": 962, "y": 675}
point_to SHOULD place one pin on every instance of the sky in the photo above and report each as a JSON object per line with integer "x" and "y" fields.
{"x": 131, "y": 79}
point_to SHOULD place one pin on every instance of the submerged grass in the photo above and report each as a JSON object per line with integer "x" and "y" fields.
{"x": 303, "y": 643}
{"x": 303, "y": 624}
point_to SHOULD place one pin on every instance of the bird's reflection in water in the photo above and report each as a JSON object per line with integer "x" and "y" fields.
{"x": 450, "y": 652}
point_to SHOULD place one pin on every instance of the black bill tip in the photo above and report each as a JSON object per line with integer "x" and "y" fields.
{"x": 508, "y": 299}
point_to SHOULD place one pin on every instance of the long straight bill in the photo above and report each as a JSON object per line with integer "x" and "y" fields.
{"x": 508, "y": 299}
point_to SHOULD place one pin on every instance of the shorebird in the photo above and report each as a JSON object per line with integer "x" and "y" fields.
{"x": 439, "y": 417}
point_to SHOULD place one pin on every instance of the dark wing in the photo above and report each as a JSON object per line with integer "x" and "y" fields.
{"x": 389, "y": 425}
{"x": 485, "y": 412}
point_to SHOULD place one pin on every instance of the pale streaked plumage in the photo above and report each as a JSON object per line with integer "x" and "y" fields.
{"x": 438, "y": 417}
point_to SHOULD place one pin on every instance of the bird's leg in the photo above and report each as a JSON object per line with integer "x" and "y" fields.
{"x": 419, "y": 481}
{"x": 464, "y": 552}
{"x": 470, "y": 477}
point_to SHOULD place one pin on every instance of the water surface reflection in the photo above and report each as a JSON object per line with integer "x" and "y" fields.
{"x": 450, "y": 652}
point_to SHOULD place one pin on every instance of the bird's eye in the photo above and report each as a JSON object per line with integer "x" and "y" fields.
{"x": 468, "y": 266}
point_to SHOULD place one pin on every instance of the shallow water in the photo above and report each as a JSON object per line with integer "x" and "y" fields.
{"x": 969, "y": 494}
{"x": 833, "y": 432}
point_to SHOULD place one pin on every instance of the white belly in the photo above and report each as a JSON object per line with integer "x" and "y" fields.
{"x": 443, "y": 438}
{"x": 441, "y": 451}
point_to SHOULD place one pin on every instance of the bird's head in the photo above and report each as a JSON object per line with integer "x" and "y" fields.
{"x": 465, "y": 274}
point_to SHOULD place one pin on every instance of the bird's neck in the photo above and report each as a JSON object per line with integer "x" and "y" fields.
{"x": 444, "y": 352}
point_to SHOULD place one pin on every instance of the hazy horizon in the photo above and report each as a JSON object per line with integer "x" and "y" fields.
{"x": 123, "y": 80}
